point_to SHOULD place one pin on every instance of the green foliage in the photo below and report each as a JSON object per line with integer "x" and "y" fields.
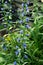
{"x": 23, "y": 45}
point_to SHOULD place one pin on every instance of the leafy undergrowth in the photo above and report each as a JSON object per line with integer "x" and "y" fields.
{"x": 22, "y": 43}
{"x": 24, "y": 47}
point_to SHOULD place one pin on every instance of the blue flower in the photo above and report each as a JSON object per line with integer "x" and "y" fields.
{"x": 22, "y": 4}
{"x": 27, "y": 9}
{"x": 27, "y": 19}
{"x": 25, "y": 56}
{"x": 27, "y": 26}
{"x": 15, "y": 63}
{"x": 21, "y": 31}
{"x": 18, "y": 39}
{"x": 4, "y": 47}
{"x": 2, "y": 9}
{"x": 17, "y": 47}
{"x": 24, "y": 45}
{"x": 27, "y": 34}
{"x": 5, "y": 2}
{"x": 17, "y": 52}
{"x": 20, "y": 21}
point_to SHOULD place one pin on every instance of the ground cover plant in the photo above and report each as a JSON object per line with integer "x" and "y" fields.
{"x": 22, "y": 43}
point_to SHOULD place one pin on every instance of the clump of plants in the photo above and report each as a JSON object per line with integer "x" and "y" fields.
{"x": 24, "y": 47}
{"x": 23, "y": 44}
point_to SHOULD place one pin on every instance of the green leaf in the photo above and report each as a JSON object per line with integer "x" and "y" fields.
{"x": 1, "y": 59}
{"x": 10, "y": 64}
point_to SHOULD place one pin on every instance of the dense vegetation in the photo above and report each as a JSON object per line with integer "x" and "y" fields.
{"x": 21, "y": 32}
